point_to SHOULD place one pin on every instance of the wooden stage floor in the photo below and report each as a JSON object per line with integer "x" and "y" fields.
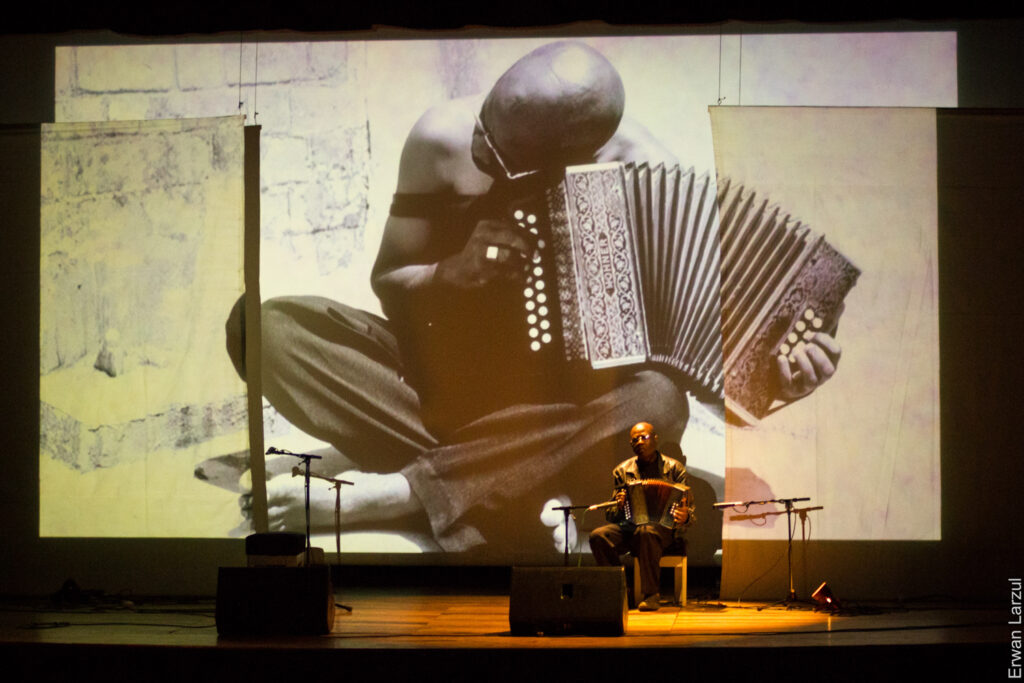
{"x": 402, "y": 634}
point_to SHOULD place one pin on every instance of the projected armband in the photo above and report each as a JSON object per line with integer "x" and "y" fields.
{"x": 429, "y": 205}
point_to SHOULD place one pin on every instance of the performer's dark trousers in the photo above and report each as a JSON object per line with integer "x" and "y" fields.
{"x": 646, "y": 543}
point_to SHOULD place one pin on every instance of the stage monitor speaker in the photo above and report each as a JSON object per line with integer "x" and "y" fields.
{"x": 274, "y": 600}
{"x": 568, "y": 600}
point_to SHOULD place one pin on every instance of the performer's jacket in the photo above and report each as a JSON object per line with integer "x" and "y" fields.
{"x": 663, "y": 468}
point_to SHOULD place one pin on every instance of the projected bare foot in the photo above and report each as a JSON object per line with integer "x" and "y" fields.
{"x": 372, "y": 498}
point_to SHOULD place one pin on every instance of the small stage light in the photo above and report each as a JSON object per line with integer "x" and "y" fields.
{"x": 825, "y": 598}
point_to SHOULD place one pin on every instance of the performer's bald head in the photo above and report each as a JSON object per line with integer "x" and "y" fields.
{"x": 555, "y": 106}
{"x": 643, "y": 440}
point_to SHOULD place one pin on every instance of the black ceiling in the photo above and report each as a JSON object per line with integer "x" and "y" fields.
{"x": 146, "y": 17}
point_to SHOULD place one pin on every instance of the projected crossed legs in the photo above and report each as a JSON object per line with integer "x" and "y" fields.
{"x": 334, "y": 372}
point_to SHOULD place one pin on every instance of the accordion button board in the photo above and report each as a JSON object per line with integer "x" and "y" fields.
{"x": 639, "y": 264}
{"x": 535, "y": 298}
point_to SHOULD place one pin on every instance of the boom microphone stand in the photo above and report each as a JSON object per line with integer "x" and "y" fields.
{"x": 336, "y": 484}
{"x": 305, "y": 471}
{"x": 306, "y": 459}
{"x": 791, "y": 598}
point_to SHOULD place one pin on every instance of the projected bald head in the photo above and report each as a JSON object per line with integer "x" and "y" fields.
{"x": 556, "y": 106}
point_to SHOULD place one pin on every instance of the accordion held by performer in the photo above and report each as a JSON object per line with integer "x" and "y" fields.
{"x": 650, "y": 501}
{"x": 658, "y": 265}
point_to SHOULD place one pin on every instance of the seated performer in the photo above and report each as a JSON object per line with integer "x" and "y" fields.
{"x": 648, "y": 541}
{"x": 438, "y": 415}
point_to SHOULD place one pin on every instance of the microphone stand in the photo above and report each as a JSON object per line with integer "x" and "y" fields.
{"x": 307, "y": 458}
{"x": 566, "y": 511}
{"x": 336, "y": 484}
{"x": 791, "y": 598}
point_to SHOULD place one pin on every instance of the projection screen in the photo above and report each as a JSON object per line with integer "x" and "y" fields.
{"x": 334, "y": 118}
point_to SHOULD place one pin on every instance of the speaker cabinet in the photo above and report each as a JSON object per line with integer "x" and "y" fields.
{"x": 274, "y": 600}
{"x": 568, "y": 600}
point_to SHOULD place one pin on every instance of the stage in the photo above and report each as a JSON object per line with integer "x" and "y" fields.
{"x": 448, "y": 634}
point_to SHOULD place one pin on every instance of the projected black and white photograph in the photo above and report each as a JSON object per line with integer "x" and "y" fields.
{"x": 482, "y": 261}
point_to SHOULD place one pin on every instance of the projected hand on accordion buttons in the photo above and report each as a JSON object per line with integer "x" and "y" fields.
{"x": 495, "y": 252}
{"x": 808, "y": 357}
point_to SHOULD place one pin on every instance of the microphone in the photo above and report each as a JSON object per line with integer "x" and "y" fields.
{"x": 307, "y": 456}
{"x": 735, "y": 503}
{"x": 601, "y": 506}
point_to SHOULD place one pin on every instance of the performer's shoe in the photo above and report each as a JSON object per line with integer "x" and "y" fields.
{"x": 651, "y": 603}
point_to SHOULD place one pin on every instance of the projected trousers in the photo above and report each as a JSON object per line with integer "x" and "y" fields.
{"x": 336, "y": 373}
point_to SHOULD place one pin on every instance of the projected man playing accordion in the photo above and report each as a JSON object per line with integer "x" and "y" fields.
{"x": 461, "y": 407}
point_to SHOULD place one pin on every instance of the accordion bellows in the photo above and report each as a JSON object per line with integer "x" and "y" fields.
{"x": 655, "y": 264}
{"x": 650, "y": 501}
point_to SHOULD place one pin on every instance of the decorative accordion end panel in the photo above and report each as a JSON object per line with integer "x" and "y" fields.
{"x": 637, "y": 264}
